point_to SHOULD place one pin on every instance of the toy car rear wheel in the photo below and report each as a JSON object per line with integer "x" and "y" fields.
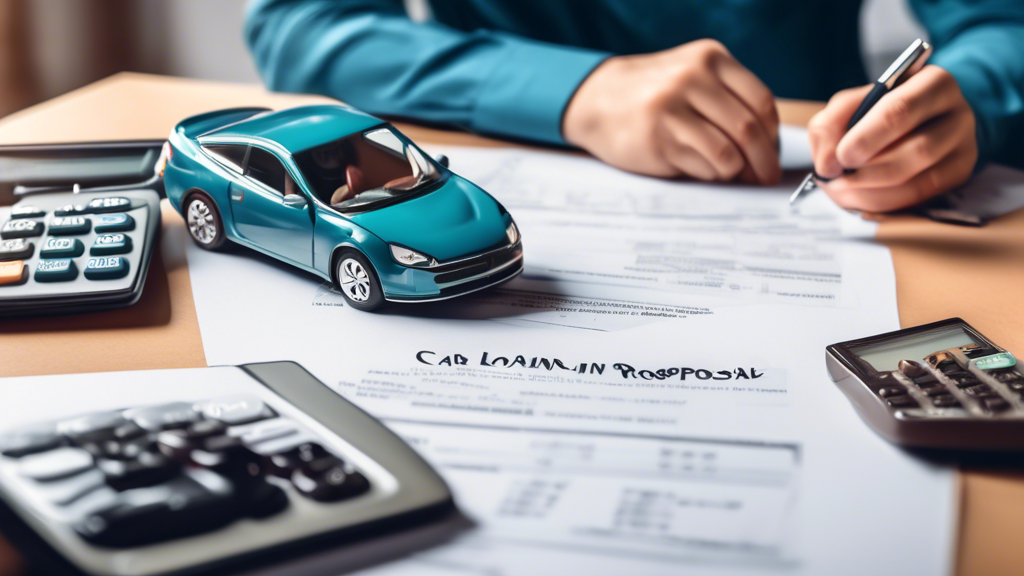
{"x": 203, "y": 221}
{"x": 358, "y": 282}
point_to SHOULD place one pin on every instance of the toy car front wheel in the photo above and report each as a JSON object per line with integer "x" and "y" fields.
{"x": 358, "y": 281}
{"x": 204, "y": 222}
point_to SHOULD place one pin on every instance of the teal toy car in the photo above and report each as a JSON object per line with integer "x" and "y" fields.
{"x": 343, "y": 195}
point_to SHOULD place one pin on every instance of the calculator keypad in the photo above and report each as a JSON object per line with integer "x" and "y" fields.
{"x": 154, "y": 473}
{"x": 953, "y": 379}
{"x": 79, "y": 251}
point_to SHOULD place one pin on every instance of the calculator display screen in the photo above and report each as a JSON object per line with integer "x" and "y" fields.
{"x": 885, "y": 356}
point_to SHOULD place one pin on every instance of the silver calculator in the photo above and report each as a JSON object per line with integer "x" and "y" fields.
{"x": 174, "y": 471}
{"x": 942, "y": 385}
{"x": 75, "y": 252}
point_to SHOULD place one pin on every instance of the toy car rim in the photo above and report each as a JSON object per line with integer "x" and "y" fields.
{"x": 355, "y": 281}
{"x": 201, "y": 223}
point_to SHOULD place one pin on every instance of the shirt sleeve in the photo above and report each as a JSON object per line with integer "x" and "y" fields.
{"x": 981, "y": 43}
{"x": 369, "y": 54}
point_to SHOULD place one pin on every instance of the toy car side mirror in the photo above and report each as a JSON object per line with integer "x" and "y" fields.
{"x": 295, "y": 201}
{"x": 441, "y": 159}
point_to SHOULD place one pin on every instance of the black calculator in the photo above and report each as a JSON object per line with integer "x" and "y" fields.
{"x": 75, "y": 252}
{"x": 942, "y": 385}
{"x": 231, "y": 462}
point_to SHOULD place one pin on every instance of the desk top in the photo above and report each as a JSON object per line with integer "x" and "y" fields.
{"x": 941, "y": 271}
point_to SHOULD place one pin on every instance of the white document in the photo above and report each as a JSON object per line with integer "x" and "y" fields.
{"x": 650, "y": 397}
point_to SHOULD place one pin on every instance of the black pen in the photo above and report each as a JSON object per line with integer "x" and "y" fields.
{"x": 912, "y": 60}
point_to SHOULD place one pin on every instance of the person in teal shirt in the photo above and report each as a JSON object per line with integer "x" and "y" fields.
{"x": 673, "y": 88}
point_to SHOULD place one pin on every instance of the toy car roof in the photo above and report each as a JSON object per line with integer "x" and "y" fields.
{"x": 301, "y": 128}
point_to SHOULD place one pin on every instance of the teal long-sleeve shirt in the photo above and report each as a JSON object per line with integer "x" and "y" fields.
{"x": 510, "y": 67}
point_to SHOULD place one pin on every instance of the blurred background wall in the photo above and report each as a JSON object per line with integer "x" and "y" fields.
{"x": 48, "y": 47}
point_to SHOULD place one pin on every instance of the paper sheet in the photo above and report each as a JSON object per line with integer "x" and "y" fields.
{"x": 649, "y": 397}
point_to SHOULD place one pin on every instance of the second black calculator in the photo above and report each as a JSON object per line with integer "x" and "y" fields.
{"x": 67, "y": 252}
{"x": 941, "y": 385}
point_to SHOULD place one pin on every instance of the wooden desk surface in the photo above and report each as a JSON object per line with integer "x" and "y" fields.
{"x": 941, "y": 271}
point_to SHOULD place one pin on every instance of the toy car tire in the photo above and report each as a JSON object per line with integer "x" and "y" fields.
{"x": 357, "y": 281}
{"x": 202, "y": 218}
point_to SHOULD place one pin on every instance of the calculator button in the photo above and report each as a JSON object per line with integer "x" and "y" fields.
{"x": 187, "y": 504}
{"x": 113, "y": 223}
{"x": 23, "y": 441}
{"x": 945, "y": 401}
{"x": 975, "y": 351}
{"x": 994, "y": 404}
{"x": 329, "y": 479}
{"x": 980, "y": 391}
{"x": 21, "y": 229}
{"x": 66, "y": 491}
{"x": 937, "y": 391}
{"x": 70, "y": 225}
{"x": 16, "y": 249}
{"x": 93, "y": 427}
{"x": 911, "y": 368}
{"x": 164, "y": 416}
{"x": 108, "y": 204}
{"x": 61, "y": 248}
{"x": 995, "y": 361}
{"x": 891, "y": 391}
{"x": 284, "y": 464}
{"x": 55, "y": 464}
{"x": 106, "y": 268}
{"x": 12, "y": 272}
{"x": 27, "y": 212}
{"x": 901, "y": 401}
{"x": 70, "y": 210}
{"x": 147, "y": 469}
{"x": 1008, "y": 376}
{"x": 965, "y": 380}
{"x": 61, "y": 270}
{"x": 237, "y": 409}
{"x": 265, "y": 430}
{"x": 111, "y": 244}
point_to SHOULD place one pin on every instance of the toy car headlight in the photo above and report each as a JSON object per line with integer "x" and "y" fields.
{"x": 408, "y": 257}
{"x": 512, "y": 232}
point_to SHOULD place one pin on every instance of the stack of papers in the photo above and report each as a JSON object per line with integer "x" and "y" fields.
{"x": 649, "y": 397}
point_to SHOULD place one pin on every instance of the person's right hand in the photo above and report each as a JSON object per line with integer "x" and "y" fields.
{"x": 689, "y": 111}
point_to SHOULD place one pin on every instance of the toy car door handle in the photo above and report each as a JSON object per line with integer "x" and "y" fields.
{"x": 295, "y": 201}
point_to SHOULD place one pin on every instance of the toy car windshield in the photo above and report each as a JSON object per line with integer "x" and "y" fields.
{"x": 367, "y": 170}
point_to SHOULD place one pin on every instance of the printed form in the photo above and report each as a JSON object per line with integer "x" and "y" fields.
{"x": 649, "y": 397}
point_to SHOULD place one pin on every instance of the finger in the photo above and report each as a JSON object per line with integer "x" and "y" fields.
{"x": 707, "y": 140}
{"x": 949, "y": 173}
{"x": 922, "y": 97}
{"x": 720, "y": 107}
{"x": 684, "y": 158}
{"x": 920, "y": 150}
{"x": 755, "y": 95}
{"x": 827, "y": 128}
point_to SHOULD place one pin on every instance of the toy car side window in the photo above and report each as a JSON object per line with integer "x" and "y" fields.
{"x": 266, "y": 168}
{"x": 231, "y": 154}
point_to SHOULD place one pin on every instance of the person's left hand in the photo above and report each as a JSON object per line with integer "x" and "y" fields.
{"x": 916, "y": 142}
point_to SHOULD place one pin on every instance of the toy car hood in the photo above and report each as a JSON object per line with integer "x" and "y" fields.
{"x": 456, "y": 220}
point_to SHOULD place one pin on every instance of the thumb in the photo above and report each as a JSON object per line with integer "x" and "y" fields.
{"x": 827, "y": 128}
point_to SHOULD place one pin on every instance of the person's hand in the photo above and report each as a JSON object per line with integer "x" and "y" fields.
{"x": 916, "y": 142}
{"x": 689, "y": 111}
